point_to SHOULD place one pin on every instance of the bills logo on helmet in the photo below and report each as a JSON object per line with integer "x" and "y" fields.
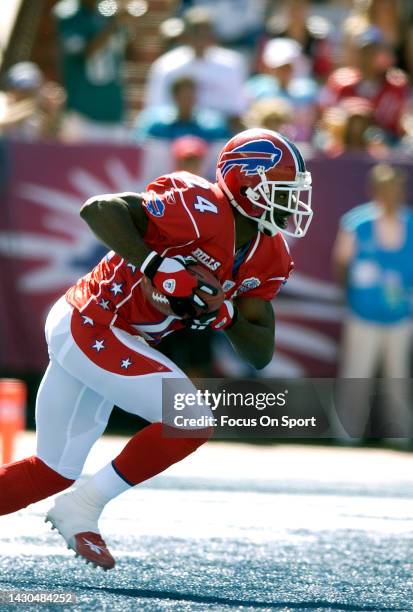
{"x": 250, "y": 156}
{"x": 156, "y": 207}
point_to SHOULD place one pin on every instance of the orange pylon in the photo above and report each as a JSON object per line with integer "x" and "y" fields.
{"x": 13, "y": 394}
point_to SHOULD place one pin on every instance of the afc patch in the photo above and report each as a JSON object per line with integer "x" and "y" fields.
{"x": 247, "y": 285}
{"x": 228, "y": 285}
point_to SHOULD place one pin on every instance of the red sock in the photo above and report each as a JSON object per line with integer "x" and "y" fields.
{"x": 27, "y": 481}
{"x": 149, "y": 452}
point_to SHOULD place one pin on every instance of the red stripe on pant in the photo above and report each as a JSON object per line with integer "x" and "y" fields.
{"x": 27, "y": 481}
{"x": 103, "y": 348}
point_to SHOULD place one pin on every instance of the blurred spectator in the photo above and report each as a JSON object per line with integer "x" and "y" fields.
{"x": 394, "y": 18}
{"x": 359, "y": 120}
{"x": 157, "y": 127}
{"x": 361, "y": 133}
{"x": 329, "y": 136}
{"x": 180, "y": 118}
{"x": 237, "y": 23}
{"x": 29, "y": 107}
{"x": 313, "y": 33}
{"x": 275, "y": 114}
{"x": 350, "y": 128}
{"x": 219, "y": 73}
{"x": 372, "y": 258}
{"x": 281, "y": 57}
{"x": 406, "y": 143}
{"x": 353, "y": 26}
{"x": 189, "y": 154}
{"x": 374, "y": 79}
{"x": 92, "y": 47}
{"x": 386, "y": 15}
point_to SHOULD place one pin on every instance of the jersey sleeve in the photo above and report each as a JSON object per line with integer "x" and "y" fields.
{"x": 271, "y": 265}
{"x": 170, "y": 220}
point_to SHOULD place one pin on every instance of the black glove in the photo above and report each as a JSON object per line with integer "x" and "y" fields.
{"x": 223, "y": 318}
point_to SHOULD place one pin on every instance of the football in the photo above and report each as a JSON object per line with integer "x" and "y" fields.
{"x": 161, "y": 303}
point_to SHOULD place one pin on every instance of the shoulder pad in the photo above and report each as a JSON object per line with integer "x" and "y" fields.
{"x": 178, "y": 180}
{"x": 160, "y": 184}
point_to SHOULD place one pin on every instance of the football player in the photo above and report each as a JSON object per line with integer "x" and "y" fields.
{"x": 102, "y": 334}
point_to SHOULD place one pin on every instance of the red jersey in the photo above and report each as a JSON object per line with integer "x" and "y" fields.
{"x": 388, "y": 99}
{"x": 187, "y": 215}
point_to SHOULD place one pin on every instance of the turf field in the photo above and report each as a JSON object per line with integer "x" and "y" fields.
{"x": 236, "y": 528}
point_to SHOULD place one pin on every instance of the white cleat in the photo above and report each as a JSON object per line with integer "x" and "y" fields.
{"x": 75, "y": 516}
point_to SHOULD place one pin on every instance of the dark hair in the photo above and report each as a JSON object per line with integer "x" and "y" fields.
{"x": 180, "y": 82}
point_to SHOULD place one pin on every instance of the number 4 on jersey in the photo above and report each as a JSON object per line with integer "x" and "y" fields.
{"x": 204, "y": 205}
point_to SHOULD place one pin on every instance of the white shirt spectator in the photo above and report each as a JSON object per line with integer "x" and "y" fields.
{"x": 233, "y": 19}
{"x": 219, "y": 74}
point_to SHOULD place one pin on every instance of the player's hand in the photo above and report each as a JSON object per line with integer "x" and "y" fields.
{"x": 224, "y": 318}
{"x": 170, "y": 276}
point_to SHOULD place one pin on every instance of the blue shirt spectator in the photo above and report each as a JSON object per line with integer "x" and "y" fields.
{"x": 372, "y": 259}
{"x": 281, "y": 79}
{"x": 180, "y": 119}
{"x": 380, "y": 279}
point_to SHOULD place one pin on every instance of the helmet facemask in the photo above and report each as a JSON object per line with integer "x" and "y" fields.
{"x": 286, "y": 206}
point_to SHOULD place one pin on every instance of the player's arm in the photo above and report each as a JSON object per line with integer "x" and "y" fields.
{"x": 343, "y": 252}
{"x": 119, "y": 221}
{"x": 252, "y": 334}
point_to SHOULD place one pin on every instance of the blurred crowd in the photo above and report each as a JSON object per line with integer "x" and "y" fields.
{"x": 335, "y": 75}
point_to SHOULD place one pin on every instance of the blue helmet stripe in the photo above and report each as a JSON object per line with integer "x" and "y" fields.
{"x": 294, "y": 149}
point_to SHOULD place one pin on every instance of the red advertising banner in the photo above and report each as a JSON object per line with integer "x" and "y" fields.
{"x": 44, "y": 244}
{"x": 45, "y": 247}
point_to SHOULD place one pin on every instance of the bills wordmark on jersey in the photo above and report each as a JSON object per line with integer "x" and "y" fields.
{"x": 206, "y": 259}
